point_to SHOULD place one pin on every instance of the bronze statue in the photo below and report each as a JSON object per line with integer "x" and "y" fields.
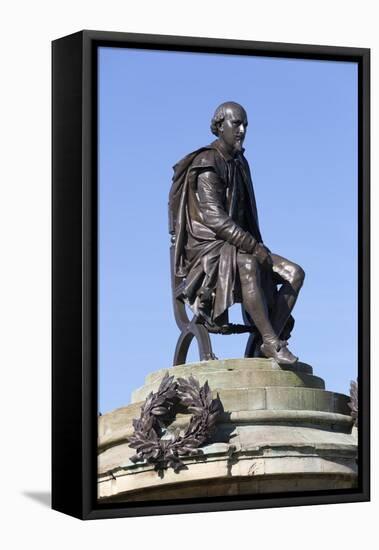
{"x": 218, "y": 253}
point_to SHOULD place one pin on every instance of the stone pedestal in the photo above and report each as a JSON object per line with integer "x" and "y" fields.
{"x": 281, "y": 431}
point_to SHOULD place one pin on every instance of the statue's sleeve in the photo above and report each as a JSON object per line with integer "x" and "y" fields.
{"x": 210, "y": 193}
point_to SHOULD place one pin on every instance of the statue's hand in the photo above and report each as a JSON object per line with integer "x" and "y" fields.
{"x": 262, "y": 254}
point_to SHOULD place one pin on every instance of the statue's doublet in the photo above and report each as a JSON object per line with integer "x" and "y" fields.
{"x": 214, "y": 215}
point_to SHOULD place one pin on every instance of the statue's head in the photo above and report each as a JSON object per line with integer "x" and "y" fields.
{"x": 229, "y": 124}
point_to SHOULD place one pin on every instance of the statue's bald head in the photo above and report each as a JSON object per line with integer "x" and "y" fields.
{"x": 220, "y": 114}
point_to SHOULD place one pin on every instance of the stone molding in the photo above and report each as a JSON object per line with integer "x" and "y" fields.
{"x": 280, "y": 426}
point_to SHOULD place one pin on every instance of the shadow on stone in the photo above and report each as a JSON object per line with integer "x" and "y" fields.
{"x": 224, "y": 430}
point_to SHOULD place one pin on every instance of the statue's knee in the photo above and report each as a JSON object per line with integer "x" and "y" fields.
{"x": 247, "y": 265}
{"x": 298, "y": 276}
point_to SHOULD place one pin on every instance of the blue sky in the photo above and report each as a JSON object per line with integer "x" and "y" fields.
{"x": 154, "y": 108}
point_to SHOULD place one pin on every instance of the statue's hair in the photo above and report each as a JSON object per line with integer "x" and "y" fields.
{"x": 219, "y": 116}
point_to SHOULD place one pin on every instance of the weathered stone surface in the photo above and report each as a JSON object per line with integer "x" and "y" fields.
{"x": 218, "y": 365}
{"x": 282, "y": 465}
{"x": 237, "y": 374}
{"x": 248, "y": 485}
{"x": 280, "y": 431}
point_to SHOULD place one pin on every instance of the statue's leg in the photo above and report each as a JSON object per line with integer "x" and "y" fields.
{"x": 291, "y": 277}
{"x": 253, "y": 297}
{"x": 254, "y": 342}
{"x": 255, "y": 304}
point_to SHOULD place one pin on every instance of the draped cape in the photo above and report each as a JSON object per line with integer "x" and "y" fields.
{"x": 206, "y": 264}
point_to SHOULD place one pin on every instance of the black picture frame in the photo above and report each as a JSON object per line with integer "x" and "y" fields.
{"x": 74, "y": 272}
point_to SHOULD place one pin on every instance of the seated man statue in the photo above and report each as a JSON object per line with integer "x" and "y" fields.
{"x": 219, "y": 252}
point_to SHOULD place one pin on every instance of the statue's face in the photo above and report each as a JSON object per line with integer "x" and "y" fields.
{"x": 233, "y": 128}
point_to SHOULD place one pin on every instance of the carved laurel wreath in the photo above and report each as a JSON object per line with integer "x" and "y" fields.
{"x": 159, "y": 410}
{"x": 353, "y": 403}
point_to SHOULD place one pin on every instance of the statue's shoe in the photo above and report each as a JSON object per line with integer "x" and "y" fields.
{"x": 279, "y": 352}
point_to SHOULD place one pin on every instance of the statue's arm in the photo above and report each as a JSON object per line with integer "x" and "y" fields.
{"x": 210, "y": 194}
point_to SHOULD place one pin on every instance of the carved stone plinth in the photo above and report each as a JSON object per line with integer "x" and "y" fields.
{"x": 281, "y": 431}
